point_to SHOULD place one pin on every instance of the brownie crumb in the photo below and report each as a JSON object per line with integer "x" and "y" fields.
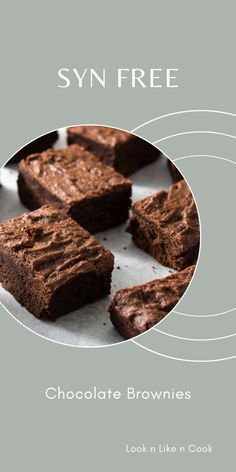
{"x": 118, "y": 267}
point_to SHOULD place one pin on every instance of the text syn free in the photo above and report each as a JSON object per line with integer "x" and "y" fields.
{"x": 125, "y": 77}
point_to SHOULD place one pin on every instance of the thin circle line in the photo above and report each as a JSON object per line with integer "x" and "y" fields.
{"x": 199, "y": 316}
{"x": 199, "y": 253}
{"x": 155, "y": 119}
{"x": 181, "y": 113}
{"x": 205, "y": 316}
{"x": 60, "y": 342}
{"x": 194, "y": 339}
{"x": 193, "y": 132}
{"x": 204, "y": 155}
{"x": 232, "y": 162}
{"x": 180, "y": 358}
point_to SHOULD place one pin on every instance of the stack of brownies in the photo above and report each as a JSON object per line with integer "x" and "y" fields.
{"x": 50, "y": 261}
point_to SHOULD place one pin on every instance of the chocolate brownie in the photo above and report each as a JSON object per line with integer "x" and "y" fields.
{"x": 50, "y": 264}
{"x": 94, "y": 194}
{"x": 175, "y": 173}
{"x": 37, "y": 145}
{"x": 136, "y": 309}
{"x": 122, "y": 150}
{"x": 166, "y": 225}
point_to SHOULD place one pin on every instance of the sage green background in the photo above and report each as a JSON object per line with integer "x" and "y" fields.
{"x": 38, "y": 38}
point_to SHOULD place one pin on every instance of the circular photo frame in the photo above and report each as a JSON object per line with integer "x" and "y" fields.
{"x": 99, "y": 236}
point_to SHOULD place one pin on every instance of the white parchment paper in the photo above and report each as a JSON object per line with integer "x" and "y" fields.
{"x": 90, "y": 325}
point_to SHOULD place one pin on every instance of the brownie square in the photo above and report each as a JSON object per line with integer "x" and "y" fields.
{"x": 50, "y": 264}
{"x": 37, "y": 145}
{"x": 136, "y": 309}
{"x": 175, "y": 173}
{"x": 166, "y": 225}
{"x": 94, "y": 194}
{"x": 119, "y": 149}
